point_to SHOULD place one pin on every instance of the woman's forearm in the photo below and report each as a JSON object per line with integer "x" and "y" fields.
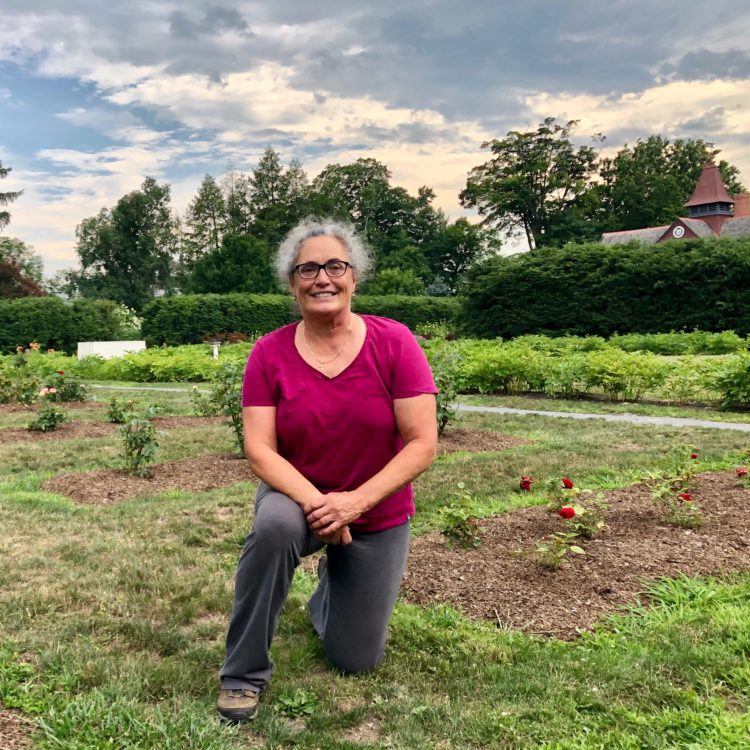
{"x": 414, "y": 458}
{"x": 278, "y": 473}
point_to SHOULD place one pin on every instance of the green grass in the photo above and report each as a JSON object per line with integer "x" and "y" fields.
{"x": 112, "y": 618}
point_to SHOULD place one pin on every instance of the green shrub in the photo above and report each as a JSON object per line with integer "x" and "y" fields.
{"x": 189, "y": 318}
{"x": 48, "y": 418}
{"x": 18, "y": 386}
{"x": 602, "y": 290}
{"x": 139, "y": 442}
{"x": 622, "y": 375}
{"x": 118, "y": 412}
{"x": 459, "y": 522}
{"x": 59, "y": 325}
{"x": 695, "y": 342}
{"x": 444, "y": 364}
{"x": 65, "y": 387}
{"x": 225, "y": 398}
{"x": 732, "y": 381}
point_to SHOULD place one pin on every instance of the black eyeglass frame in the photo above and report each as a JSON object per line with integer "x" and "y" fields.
{"x": 321, "y": 266}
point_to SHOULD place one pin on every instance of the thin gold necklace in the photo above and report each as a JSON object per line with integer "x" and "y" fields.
{"x": 322, "y": 363}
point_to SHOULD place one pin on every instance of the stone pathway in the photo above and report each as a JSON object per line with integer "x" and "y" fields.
{"x": 632, "y": 418}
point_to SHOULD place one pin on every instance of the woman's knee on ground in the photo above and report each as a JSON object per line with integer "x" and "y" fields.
{"x": 353, "y": 660}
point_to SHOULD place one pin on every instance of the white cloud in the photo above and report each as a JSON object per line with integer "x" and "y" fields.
{"x": 662, "y": 109}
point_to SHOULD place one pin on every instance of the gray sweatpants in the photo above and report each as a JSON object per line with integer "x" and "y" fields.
{"x": 349, "y": 610}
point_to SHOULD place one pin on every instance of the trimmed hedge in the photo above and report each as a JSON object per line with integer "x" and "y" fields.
{"x": 56, "y": 324}
{"x": 603, "y": 290}
{"x": 190, "y": 318}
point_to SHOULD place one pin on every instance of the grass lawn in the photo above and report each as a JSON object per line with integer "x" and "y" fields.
{"x": 112, "y": 618}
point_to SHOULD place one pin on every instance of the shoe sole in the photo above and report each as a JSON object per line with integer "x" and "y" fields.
{"x": 236, "y": 717}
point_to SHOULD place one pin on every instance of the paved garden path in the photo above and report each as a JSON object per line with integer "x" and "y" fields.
{"x": 631, "y": 418}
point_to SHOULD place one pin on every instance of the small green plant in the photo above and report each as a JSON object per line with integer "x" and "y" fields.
{"x": 139, "y": 442}
{"x": 118, "y": 411}
{"x": 226, "y": 394}
{"x": 444, "y": 361}
{"x": 297, "y": 704}
{"x": 550, "y": 552}
{"x": 18, "y": 385}
{"x": 204, "y": 405}
{"x": 48, "y": 418}
{"x": 459, "y": 523}
{"x": 682, "y": 510}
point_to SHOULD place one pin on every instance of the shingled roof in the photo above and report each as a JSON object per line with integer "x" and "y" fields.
{"x": 698, "y": 226}
{"x": 738, "y": 227}
{"x": 710, "y": 188}
{"x": 647, "y": 236}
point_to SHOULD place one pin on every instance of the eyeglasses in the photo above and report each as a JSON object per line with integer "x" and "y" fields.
{"x": 333, "y": 269}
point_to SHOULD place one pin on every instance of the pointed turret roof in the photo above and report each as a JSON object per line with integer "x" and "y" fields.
{"x": 710, "y": 188}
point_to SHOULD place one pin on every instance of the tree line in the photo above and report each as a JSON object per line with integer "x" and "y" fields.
{"x": 540, "y": 184}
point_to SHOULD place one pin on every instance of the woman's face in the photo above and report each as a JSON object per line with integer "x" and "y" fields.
{"x": 323, "y": 295}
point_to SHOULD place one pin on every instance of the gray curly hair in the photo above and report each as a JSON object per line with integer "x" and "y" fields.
{"x": 360, "y": 255}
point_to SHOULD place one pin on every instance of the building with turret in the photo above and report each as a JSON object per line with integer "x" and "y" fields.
{"x": 711, "y": 212}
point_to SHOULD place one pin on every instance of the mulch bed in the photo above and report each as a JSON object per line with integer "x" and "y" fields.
{"x": 15, "y": 408}
{"x": 494, "y": 582}
{"x": 199, "y": 474}
{"x": 108, "y": 486}
{"x": 15, "y": 730}
{"x": 79, "y": 429}
{"x": 453, "y": 440}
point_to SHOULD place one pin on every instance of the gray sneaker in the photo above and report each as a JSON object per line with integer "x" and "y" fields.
{"x": 237, "y": 705}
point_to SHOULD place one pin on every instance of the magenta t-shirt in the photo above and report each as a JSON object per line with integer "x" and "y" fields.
{"x": 339, "y": 432}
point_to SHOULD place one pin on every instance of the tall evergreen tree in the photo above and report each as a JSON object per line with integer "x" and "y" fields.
{"x": 205, "y": 221}
{"x": 6, "y": 197}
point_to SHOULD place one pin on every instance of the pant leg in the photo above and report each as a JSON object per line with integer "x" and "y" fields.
{"x": 354, "y": 600}
{"x": 279, "y": 539}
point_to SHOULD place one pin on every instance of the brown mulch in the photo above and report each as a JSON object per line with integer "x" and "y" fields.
{"x": 78, "y": 429}
{"x": 15, "y": 730}
{"x": 453, "y": 440}
{"x": 108, "y": 486}
{"x": 494, "y": 582}
{"x": 15, "y": 408}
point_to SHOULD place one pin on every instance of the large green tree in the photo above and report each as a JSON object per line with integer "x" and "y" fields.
{"x": 127, "y": 253}
{"x": 6, "y": 197}
{"x": 23, "y": 257}
{"x": 648, "y": 184}
{"x": 14, "y": 283}
{"x": 535, "y": 182}
{"x": 241, "y": 264}
{"x": 457, "y": 248}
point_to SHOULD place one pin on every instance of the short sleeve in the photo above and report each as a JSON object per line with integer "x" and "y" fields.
{"x": 411, "y": 374}
{"x": 256, "y": 390}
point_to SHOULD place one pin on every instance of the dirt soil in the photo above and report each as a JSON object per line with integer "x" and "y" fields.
{"x": 108, "y": 486}
{"x": 15, "y": 730}
{"x": 79, "y": 429}
{"x": 493, "y": 582}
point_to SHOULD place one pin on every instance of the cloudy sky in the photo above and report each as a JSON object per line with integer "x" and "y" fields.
{"x": 96, "y": 97}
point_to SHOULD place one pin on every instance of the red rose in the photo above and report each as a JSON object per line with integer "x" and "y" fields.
{"x": 61, "y": 372}
{"x": 567, "y": 483}
{"x": 567, "y": 512}
{"x": 685, "y": 497}
{"x": 741, "y": 471}
{"x": 525, "y": 483}
{"x": 693, "y": 455}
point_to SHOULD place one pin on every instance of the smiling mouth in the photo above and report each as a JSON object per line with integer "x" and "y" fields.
{"x": 324, "y": 294}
